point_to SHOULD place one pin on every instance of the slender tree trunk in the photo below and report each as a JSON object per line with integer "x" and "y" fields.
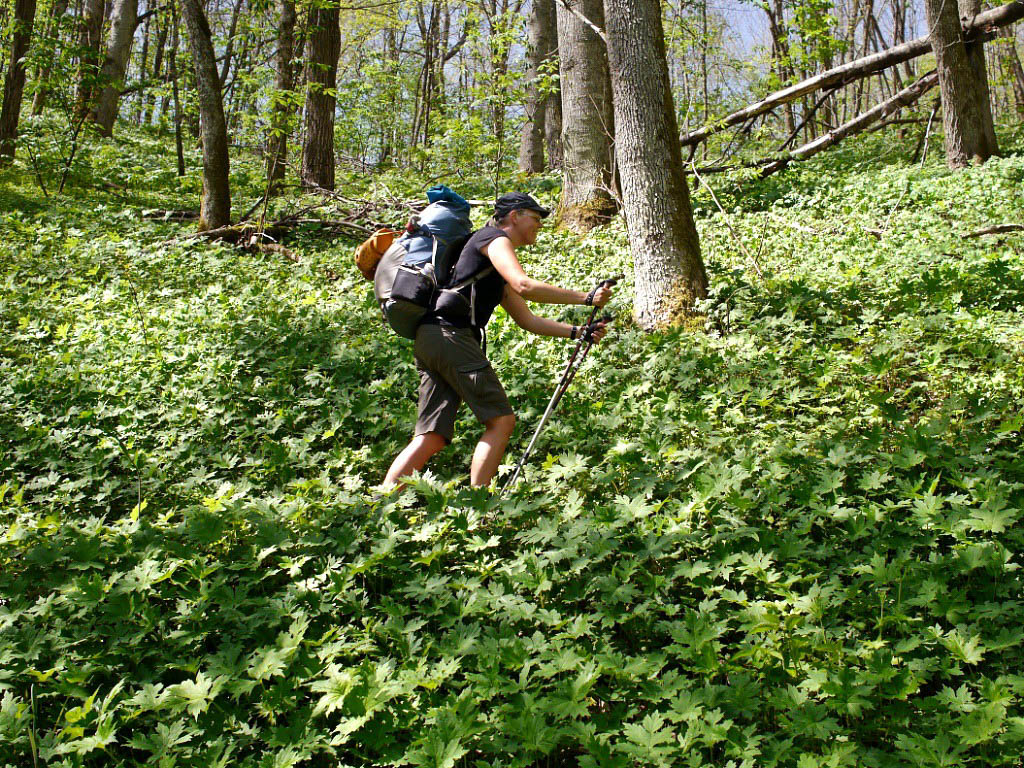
{"x": 123, "y": 17}
{"x": 90, "y": 34}
{"x": 588, "y": 132}
{"x": 158, "y": 63}
{"x": 543, "y": 43}
{"x": 962, "y": 117}
{"x": 229, "y": 48}
{"x": 322, "y": 71}
{"x": 974, "y": 42}
{"x": 140, "y": 101}
{"x": 1016, "y": 71}
{"x": 14, "y": 82}
{"x": 669, "y": 273}
{"x": 215, "y": 210}
{"x": 780, "y": 53}
{"x": 57, "y": 11}
{"x": 553, "y": 130}
{"x": 172, "y": 75}
{"x": 277, "y": 145}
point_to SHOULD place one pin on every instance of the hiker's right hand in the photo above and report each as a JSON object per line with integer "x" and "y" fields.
{"x": 602, "y": 295}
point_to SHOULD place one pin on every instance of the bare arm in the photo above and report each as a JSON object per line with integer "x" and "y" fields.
{"x": 503, "y": 257}
{"x": 516, "y": 306}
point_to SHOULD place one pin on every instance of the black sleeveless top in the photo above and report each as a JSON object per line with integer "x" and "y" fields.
{"x": 489, "y": 290}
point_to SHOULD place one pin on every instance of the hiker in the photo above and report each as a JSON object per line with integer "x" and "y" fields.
{"x": 451, "y": 361}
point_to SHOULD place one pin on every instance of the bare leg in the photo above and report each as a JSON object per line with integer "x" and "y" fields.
{"x": 414, "y": 456}
{"x": 490, "y": 449}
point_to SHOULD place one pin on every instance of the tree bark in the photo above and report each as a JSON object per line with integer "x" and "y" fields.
{"x": 962, "y": 117}
{"x": 322, "y": 71}
{"x": 668, "y": 271}
{"x": 975, "y": 44}
{"x": 43, "y": 75}
{"x": 542, "y": 45}
{"x": 90, "y": 34}
{"x": 553, "y": 131}
{"x": 123, "y": 17}
{"x": 588, "y": 132}
{"x": 277, "y": 145}
{"x": 215, "y": 209}
{"x": 14, "y": 81}
{"x": 847, "y": 73}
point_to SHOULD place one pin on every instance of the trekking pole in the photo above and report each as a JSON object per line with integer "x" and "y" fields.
{"x": 563, "y": 384}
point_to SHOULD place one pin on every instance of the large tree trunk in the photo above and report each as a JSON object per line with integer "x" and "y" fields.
{"x": 14, "y": 82}
{"x": 962, "y": 117}
{"x": 43, "y": 75}
{"x": 89, "y": 36}
{"x": 543, "y": 44}
{"x": 975, "y": 43}
{"x": 669, "y": 274}
{"x": 277, "y": 145}
{"x": 322, "y": 71}
{"x": 851, "y": 71}
{"x": 123, "y": 18}
{"x": 215, "y": 210}
{"x": 588, "y": 133}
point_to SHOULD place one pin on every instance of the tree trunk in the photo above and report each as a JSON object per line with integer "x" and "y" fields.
{"x": 975, "y": 44}
{"x": 158, "y": 63}
{"x": 230, "y": 45}
{"x": 277, "y": 145}
{"x": 14, "y": 82}
{"x": 215, "y": 210}
{"x": 966, "y": 134}
{"x": 588, "y": 132}
{"x": 669, "y": 273}
{"x": 172, "y": 75}
{"x": 322, "y": 71}
{"x": 847, "y": 73}
{"x": 1013, "y": 65}
{"x": 543, "y": 44}
{"x": 57, "y": 10}
{"x": 90, "y": 34}
{"x": 140, "y": 102}
{"x": 553, "y": 130}
{"x": 123, "y": 17}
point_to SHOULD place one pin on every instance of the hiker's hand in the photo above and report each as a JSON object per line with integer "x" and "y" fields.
{"x": 602, "y": 295}
{"x": 595, "y": 331}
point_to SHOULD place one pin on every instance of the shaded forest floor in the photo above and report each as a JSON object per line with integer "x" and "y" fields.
{"x": 793, "y": 539}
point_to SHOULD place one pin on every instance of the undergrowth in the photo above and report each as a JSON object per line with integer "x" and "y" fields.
{"x": 793, "y": 539}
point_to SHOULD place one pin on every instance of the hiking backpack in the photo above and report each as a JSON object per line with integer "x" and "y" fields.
{"x": 409, "y": 275}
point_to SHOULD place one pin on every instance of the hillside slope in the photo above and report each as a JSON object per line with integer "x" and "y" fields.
{"x": 792, "y": 538}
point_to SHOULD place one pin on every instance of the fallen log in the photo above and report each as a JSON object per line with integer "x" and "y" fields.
{"x": 998, "y": 229}
{"x": 904, "y": 98}
{"x": 981, "y": 26}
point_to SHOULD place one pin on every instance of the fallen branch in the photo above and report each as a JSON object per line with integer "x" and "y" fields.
{"x": 171, "y": 215}
{"x": 982, "y": 26}
{"x": 998, "y": 229}
{"x": 904, "y": 98}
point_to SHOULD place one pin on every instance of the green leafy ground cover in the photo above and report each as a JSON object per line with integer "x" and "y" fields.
{"x": 793, "y": 539}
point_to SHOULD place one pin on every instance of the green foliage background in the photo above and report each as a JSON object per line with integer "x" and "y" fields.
{"x": 791, "y": 539}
